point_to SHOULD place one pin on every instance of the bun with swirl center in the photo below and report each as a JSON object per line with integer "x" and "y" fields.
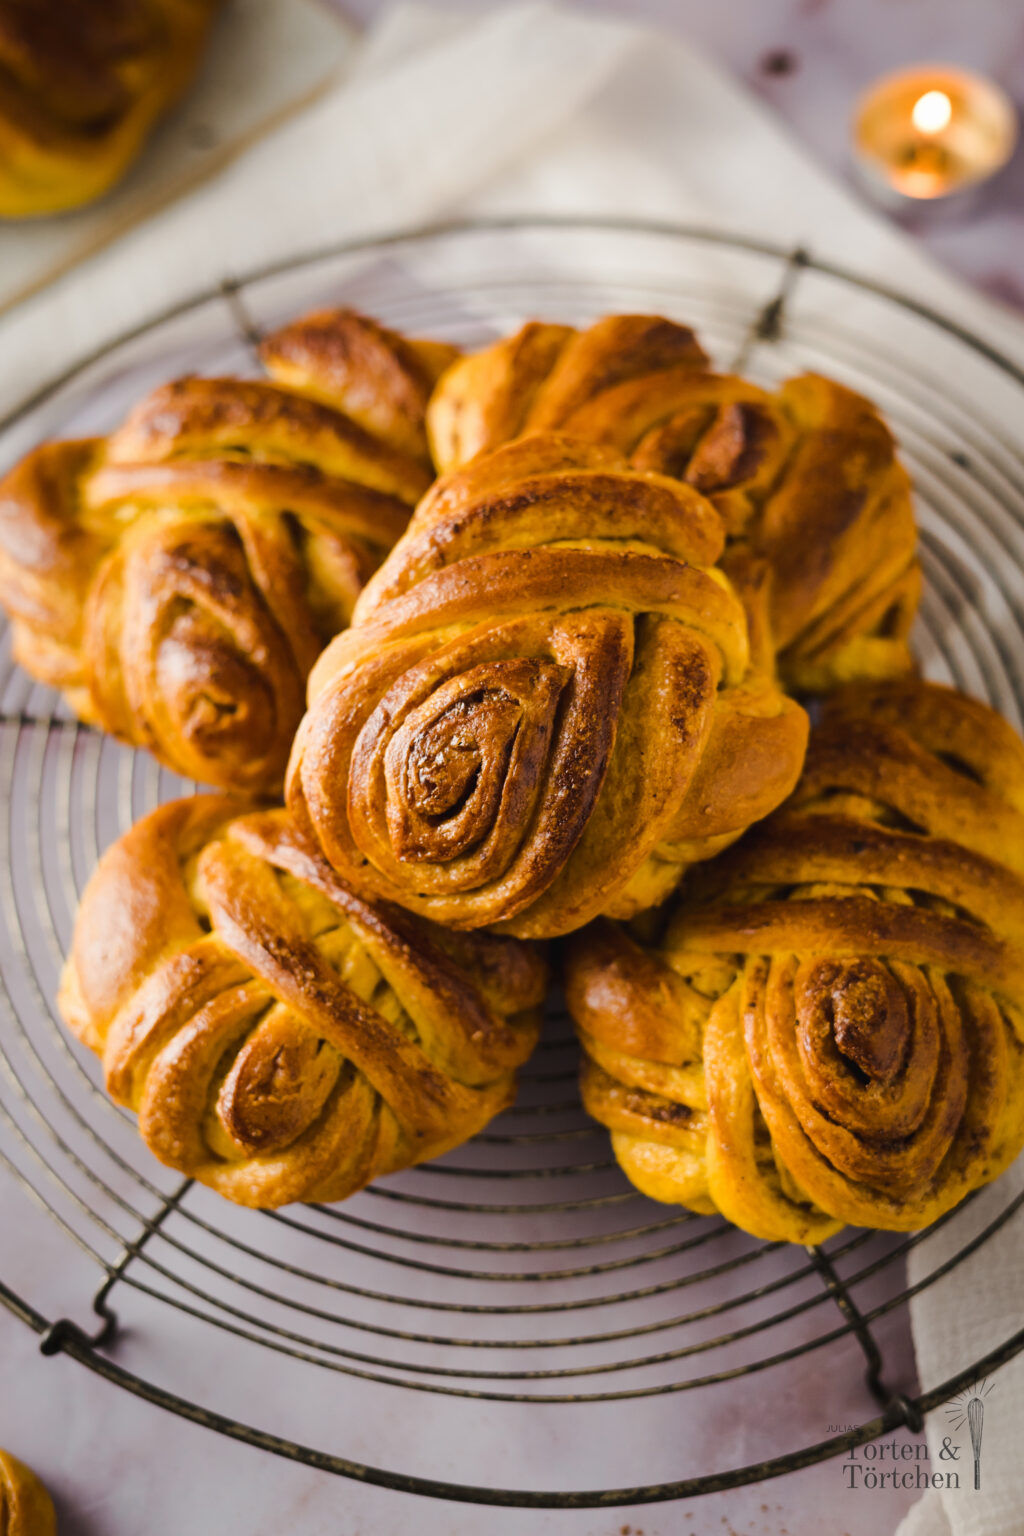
{"x": 280, "y": 1037}
{"x": 178, "y": 579}
{"x": 805, "y": 476}
{"x": 832, "y": 1028}
{"x": 82, "y": 83}
{"x": 547, "y": 706}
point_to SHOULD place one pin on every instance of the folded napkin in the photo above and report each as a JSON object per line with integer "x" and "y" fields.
{"x": 533, "y": 109}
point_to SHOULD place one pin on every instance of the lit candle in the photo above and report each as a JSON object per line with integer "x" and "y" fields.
{"x": 931, "y": 131}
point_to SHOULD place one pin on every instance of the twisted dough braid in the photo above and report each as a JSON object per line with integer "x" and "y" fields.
{"x": 26, "y": 1508}
{"x": 81, "y": 84}
{"x": 379, "y": 378}
{"x": 806, "y": 478}
{"x": 545, "y": 708}
{"x": 832, "y": 1029}
{"x": 178, "y": 579}
{"x": 280, "y": 1037}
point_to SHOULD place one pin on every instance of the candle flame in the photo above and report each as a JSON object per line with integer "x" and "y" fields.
{"x": 931, "y": 112}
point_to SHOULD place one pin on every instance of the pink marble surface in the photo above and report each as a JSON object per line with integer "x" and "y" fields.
{"x": 810, "y": 59}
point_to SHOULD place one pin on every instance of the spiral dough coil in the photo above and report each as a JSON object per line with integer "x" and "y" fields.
{"x": 546, "y": 706}
{"x": 832, "y": 1029}
{"x": 280, "y": 1037}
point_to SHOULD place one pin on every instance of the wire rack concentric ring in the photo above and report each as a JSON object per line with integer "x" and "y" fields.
{"x": 519, "y": 1290}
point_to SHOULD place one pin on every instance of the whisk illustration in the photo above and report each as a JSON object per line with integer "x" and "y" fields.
{"x": 976, "y": 1421}
{"x": 969, "y": 1406}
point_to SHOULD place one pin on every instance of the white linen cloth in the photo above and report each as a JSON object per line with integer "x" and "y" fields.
{"x": 533, "y": 109}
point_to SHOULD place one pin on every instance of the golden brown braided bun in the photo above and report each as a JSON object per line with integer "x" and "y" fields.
{"x": 81, "y": 84}
{"x": 832, "y": 1029}
{"x": 806, "y": 478}
{"x": 280, "y": 1037}
{"x": 546, "y": 707}
{"x": 26, "y": 1508}
{"x": 178, "y": 579}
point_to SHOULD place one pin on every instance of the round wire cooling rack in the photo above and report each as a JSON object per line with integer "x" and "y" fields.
{"x": 574, "y": 1344}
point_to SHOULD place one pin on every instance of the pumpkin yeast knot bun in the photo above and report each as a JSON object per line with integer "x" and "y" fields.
{"x": 82, "y": 83}
{"x": 546, "y": 707}
{"x": 178, "y": 579}
{"x": 832, "y": 1028}
{"x": 805, "y": 476}
{"x": 26, "y": 1508}
{"x": 280, "y": 1037}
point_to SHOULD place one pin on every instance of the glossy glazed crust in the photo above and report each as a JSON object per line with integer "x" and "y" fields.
{"x": 26, "y": 1508}
{"x": 280, "y": 1037}
{"x": 832, "y": 1029}
{"x": 383, "y": 379}
{"x": 178, "y": 579}
{"x": 82, "y": 83}
{"x": 546, "y": 706}
{"x": 806, "y": 477}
